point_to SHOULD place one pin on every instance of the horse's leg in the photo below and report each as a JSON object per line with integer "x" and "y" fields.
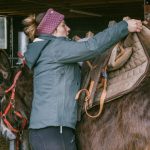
{"x": 25, "y": 141}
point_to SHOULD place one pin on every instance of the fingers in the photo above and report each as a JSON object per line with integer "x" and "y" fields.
{"x": 138, "y": 23}
{"x": 134, "y": 25}
{"x": 89, "y": 34}
{"x": 138, "y": 30}
{"x": 145, "y": 22}
{"x": 76, "y": 38}
{"x": 138, "y": 26}
{"x": 126, "y": 18}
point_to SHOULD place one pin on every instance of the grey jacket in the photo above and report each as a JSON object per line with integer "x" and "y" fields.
{"x": 57, "y": 74}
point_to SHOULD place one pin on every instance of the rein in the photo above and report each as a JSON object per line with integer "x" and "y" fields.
{"x": 11, "y": 106}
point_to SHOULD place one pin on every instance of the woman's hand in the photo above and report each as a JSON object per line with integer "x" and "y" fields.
{"x": 134, "y": 25}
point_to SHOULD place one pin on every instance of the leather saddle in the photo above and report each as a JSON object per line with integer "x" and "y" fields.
{"x": 115, "y": 73}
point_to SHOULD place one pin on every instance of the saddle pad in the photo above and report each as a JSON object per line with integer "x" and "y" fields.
{"x": 129, "y": 76}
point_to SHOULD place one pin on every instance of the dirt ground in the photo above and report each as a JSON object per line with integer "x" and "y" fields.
{"x": 4, "y": 144}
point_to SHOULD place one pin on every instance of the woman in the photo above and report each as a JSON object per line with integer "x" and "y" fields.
{"x": 54, "y": 57}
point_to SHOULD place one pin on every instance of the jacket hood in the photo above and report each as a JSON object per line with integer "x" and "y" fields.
{"x": 34, "y": 51}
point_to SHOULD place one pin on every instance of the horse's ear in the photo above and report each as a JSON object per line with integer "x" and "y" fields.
{"x": 4, "y": 58}
{"x": 4, "y": 61}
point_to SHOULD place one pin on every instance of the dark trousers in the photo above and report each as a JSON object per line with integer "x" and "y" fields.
{"x": 51, "y": 138}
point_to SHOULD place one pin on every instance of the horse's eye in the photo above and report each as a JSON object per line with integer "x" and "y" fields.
{"x": 1, "y": 78}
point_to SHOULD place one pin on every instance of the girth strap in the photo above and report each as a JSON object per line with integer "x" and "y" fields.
{"x": 102, "y": 97}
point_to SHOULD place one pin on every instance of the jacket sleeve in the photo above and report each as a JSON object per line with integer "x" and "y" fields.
{"x": 71, "y": 51}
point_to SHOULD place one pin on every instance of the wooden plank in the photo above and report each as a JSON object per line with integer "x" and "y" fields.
{"x": 100, "y": 7}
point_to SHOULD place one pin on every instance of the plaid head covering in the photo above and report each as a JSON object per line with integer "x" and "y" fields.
{"x": 50, "y": 22}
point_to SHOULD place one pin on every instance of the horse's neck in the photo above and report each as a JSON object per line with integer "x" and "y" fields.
{"x": 24, "y": 92}
{"x": 25, "y": 79}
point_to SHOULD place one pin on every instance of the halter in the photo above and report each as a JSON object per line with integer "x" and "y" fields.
{"x": 11, "y": 106}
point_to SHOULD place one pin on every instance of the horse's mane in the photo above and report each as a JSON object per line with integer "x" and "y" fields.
{"x": 24, "y": 90}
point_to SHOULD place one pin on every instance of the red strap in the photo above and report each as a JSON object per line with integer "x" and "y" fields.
{"x": 17, "y": 143}
{"x": 18, "y": 114}
{"x": 7, "y": 108}
{"x": 21, "y": 57}
{"x": 9, "y": 125}
{"x": 13, "y": 94}
{"x": 24, "y": 123}
{"x": 24, "y": 120}
{"x": 14, "y": 83}
{"x": 20, "y": 54}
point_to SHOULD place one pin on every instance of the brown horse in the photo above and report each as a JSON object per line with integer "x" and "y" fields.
{"x": 124, "y": 123}
{"x": 21, "y": 102}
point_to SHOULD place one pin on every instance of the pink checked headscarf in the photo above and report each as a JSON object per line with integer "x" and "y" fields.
{"x": 50, "y": 22}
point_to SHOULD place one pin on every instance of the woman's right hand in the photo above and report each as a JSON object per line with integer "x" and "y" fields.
{"x": 134, "y": 25}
